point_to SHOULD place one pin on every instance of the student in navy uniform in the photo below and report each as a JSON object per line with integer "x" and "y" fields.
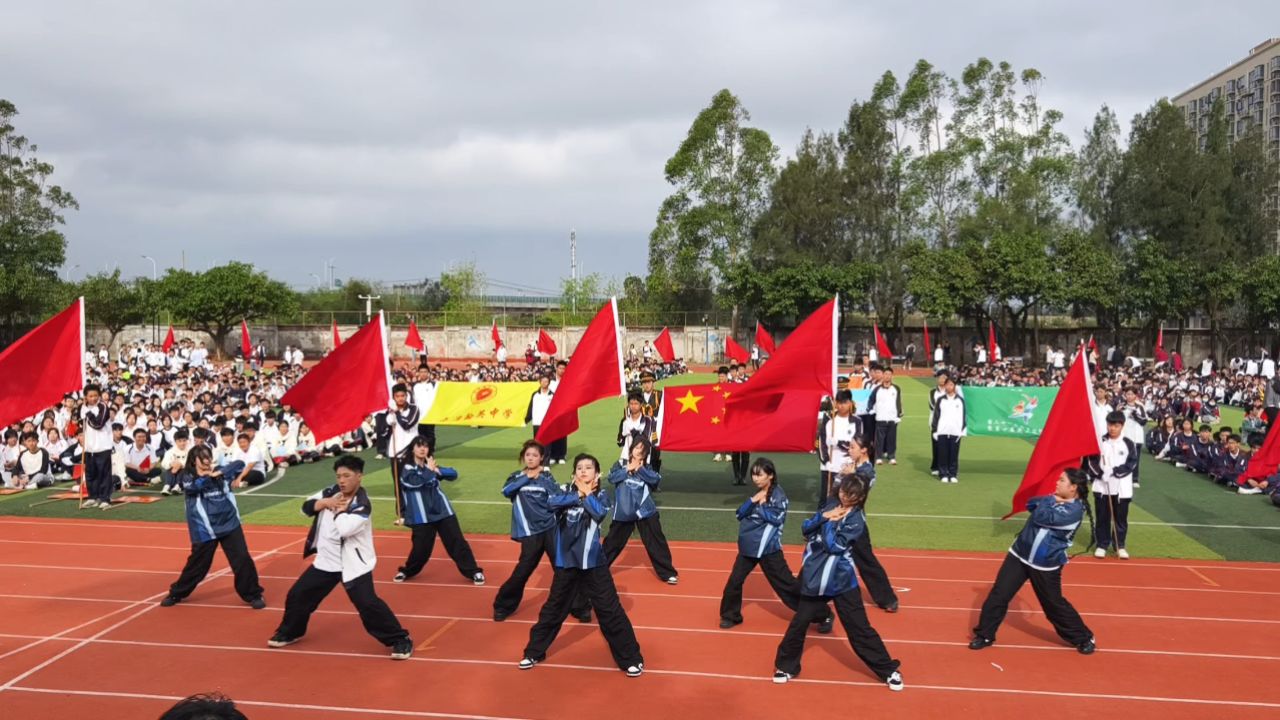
{"x": 634, "y": 484}
{"x": 835, "y": 432}
{"x": 1112, "y": 475}
{"x": 934, "y": 394}
{"x": 947, "y": 424}
{"x": 1039, "y": 554}
{"x": 403, "y": 417}
{"x": 581, "y": 568}
{"x": 828, "y": 576}
{"x": 635, "y": 426}
{"x": 742, "y": 459}
{"x": 760, "y": 522}
{"x": 533, "y": 524}
{"x": 97, "y": 449}
{"x": 212, "y": 520}
{"x": 426, "y": 510}
{"x": 558, "y": 450}
{"x": 873, "y": 574}
{"x": 341, "y": 538}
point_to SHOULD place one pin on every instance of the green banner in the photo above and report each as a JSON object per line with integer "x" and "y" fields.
{"x": 1007, "y": 411}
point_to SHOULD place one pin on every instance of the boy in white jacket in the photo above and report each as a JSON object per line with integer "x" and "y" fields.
{"x": 341, "y": 538}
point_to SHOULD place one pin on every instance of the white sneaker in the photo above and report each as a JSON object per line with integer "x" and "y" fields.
{"x": 893, "y": 461}
{"x": 944, "y": 479}
{"x": 894, "y": 681}
{"x": 780, "y": 678}
{"x": 166, "y": 491}
{"x": 1123, "y": 554}
{"x": 716, "y": 458}
{"x": 955, "y": 479}
{"x": 635, "y": 670}
{"x": 879, "y": 461}
{"x": 155, "y": 481}
{"x": 934, "y": 473}
{"x": 1248, "y": 491}
{"x": 32, "y": 486}
{"x": 89, "y": 504}
{"x": 1100, "y": 553}
{"x": 527, "y": 664}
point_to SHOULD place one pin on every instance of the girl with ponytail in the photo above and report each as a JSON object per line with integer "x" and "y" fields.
{"x": 1039, "y": 554}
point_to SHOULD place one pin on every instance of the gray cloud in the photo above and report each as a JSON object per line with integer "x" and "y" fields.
{"x": 398, "y": 136}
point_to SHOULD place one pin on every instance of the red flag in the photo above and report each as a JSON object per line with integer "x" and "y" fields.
{"x": 347, "y": 385}
{"x": 43, "y": 365}
{"x": 246, "y": 346}
{"x": 145, "y": 465}
{"x": 783, "y": 395}
{"x": 497, "y": 339}
{"x": 993, "y": 348}
{"x": 413, "y": 339}
{"x": 694, "y": 420}
{"x": 168, "y": 341}
{"x": 1160, "y": 354}
{"x": 1092, "y": 346}
{"x": 764, "y": 340}
{"x": 734, "y": 351}
{"x": 882, "y": 345}
{"x": 594, "y": 372}
{"x": 546, "y": 345}
{"x": 928, "y": 352}
{"x": 337, "y": 339}
{"x": 662, "y": 344}
{"x": 1069, "y": 435}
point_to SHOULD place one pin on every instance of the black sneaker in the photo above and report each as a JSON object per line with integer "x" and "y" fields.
{"x": 979, "y": 643}
{"x": 402, "y": 650}
{"x": 780, "y": 677}
{"x": 478, "y": 578}
{"x": 258, "y": 603}
{"x": 826, "y": 625}
{"x": 280, "y": 640}
{"x": 726, "y": 624}
{"x": 399, "y": 577}
{"x": 499, "y": 616}
{"x": 170, "y": 601}
{"x": 894, "y": 681}
{"x": 527, "y": 663}
{"x": 1087, "y": 647}
{"x": 891, "y": 607}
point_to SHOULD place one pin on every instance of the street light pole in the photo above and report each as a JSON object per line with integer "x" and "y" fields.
{"x": 155, "y": 319}
{"x": 368, "y": 305}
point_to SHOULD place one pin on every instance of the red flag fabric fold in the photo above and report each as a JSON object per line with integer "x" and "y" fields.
{"x": 594, "y": 371}
{"x": 1068, "y": 436}
{"x": 168, "y": 340}
{"x": 764, "y": 340}
{"x": 497, "y": 339}
{"x": 1160, "y": 354}
{"x": 928, "y": 351}
{"x": 337, "y": 339}
{"x": 246, "y": 346}
{"x": 734, "y": 351}
{"x": 882, "y": 345}
{"x": 993, "y": 348}
{"x": 546, "y": 345}
{"x": 413, "y": 339}
{"x": 43, "y": 365}
{"x": 346, "y": 386}
{"x": 663, "y": 345}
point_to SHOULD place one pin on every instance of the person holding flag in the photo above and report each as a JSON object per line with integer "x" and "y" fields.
{"x": 651, "y": 406}
{"x": 96, "y": 417}
{"x": 1112, "y": 472}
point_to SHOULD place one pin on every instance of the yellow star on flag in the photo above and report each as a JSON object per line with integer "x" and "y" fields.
{"x": 716, "y": 387}
{"x": 727, "y": 393}
{"x": 715, "y": 421}
{"x": 689, "y": 402}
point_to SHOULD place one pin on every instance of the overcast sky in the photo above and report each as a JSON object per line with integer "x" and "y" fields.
{"x": 396, "y": 137}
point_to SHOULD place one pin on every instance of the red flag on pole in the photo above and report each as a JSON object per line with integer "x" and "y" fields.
{"x": 43, "y": 365}
{"x": 734, "y": 351}
{"x": 764, "y": 340}
{"x": 928, "y": 351}
{"x": 246, "y": 346}
{"x": 1069, "y": 435}
{"x": 168, "y": 341}
{"x": 594, "y": 372}
{"x": 347, "y": 385}
{"x": 546, "y": 345}
{"x": 497, "y": 339}
{"x": 663, "y": 345}
{"x": 413, "y": 339}
{"x": 993, "y": 348}
{"x": 1160, "y": 354}
{"x": 882, "y": 345}
{"x": 784, "y": 392}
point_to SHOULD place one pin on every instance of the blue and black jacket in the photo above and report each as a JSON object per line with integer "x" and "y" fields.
{"x": 1049, "y": 532}
{"x": 211, "y": 506}
{"x": 635, "y": 501}
{"x": 760, "y": 526}
{"x": 421, "y": 500}
{"x": 578, "y": 542}
{"x": 531, "y": 512}
{"x": 828, "y": 568}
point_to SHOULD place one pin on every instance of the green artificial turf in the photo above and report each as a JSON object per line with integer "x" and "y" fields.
{"x": 1171, "y": 516}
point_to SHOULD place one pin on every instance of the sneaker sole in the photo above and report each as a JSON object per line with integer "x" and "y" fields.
{"x": 281, "y": 643}
{"x": 402, "y": 656}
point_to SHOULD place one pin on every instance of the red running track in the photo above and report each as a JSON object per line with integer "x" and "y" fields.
{"x": 81, "y": 636}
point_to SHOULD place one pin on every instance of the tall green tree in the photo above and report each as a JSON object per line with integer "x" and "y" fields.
{"x": 721, "y": 174}
{"x": 215, "y": 301}
{"x": 32, "y": 246}
{"x": 112, "y": 302}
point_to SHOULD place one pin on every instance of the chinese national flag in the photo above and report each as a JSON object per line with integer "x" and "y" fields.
{"x": 1069, "y": 435}
{"x": 734, "y": 351}
{"x": 882, "y": 345}
{"x": 43, "y": 365}
{"x": 594, "y": 372}
{"x": 695, "y": 419}
{"x": 168, "y": 341}
{"x": 546, "y": 345}
{"x": 764, "y": 340}
{"x": 347, "y": 385}
{"x": 662, "y": 344}
{"x": 337, "y": 339}
{"x": 413, "y": 339}
{"x": 246, "y": 346}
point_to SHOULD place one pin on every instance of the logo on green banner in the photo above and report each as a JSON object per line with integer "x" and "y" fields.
{"x": 1007, "y": 411}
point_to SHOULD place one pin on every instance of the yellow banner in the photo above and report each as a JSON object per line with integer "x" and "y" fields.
{"x": 501, "y": 404}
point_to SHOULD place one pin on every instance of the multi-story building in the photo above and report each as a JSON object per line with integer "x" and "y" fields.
{"x": 1250, "y": 90}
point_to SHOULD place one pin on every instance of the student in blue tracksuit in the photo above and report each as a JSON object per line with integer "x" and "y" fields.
{"x": 426, "y": 510}
{"x": 873, "y": 574}
{"x": 533, "y": 524}
{"x": 581, "y": 569}
{"x": 1039, "y": 554}
{"x": 634, "y": 484}
{"x": 760, "y": 522}
{"x": 828, "y": 575}
{"x": 212, "y": 520}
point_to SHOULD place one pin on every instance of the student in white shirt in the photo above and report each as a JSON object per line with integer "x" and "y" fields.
{"x": 255, "y": 468}
{"x": 834, "y": 435}
{"x": 174, "y": 461}
{"x": 948, "y": 426}
{"x": 886, "y": 405}
{"x": 140, "y": 466}
{"x": 32, "y": 467}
